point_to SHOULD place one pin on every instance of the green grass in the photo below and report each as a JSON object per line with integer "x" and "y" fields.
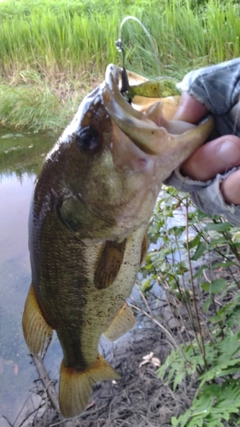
{"x": 36, "y": 105}
{"x": 72, "y": 42}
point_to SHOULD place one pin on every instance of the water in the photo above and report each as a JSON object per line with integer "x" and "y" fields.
{"x": 16, "y": 186}
{"x": 21, "y": 156}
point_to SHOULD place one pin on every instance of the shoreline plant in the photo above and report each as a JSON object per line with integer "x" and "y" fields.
{"x": 197, "y": 265}
{"x": 65, "y": 46}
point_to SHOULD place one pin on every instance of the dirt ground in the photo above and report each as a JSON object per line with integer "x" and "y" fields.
{"x": 139, "y": 398}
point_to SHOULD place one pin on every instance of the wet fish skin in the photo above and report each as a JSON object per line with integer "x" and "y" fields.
{"x": 87, "y": 238}
{"x": 71, "y": 222}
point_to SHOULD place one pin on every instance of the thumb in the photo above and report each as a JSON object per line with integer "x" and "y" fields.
{"x": 230, "y": 188}
{"x": 217, "y": 156}
{"x": 190, "y": 110}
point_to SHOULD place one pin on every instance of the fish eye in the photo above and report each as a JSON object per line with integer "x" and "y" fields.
{"x": 87, "y": 139}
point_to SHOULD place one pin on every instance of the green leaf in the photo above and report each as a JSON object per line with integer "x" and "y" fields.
{"x": 205, "y": 286}
{"x": 172, "y": 191}
{"x": 215, "y": 404}
{"x": 215, "y": 286}
{"x": 181, "y": 268}
{"x": 146, "y": 285}
{"x": 201, "y": 248}
{"x": 200, "y": 271}
{"x": 202, "y": 215}
{"x": 206, "y": 305}
{"x": 174, "y": 422}
{"x": 218, "y": 242}
{"x": 223, "y": 264}
{"x": 178, "y": 379}
{"x": 221, "y": 227}
{"x": 194, "y": 242}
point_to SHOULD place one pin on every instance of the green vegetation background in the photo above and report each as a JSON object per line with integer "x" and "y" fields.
{"x": 53, "y": 52}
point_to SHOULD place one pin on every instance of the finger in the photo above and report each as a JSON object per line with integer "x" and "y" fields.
{"x": 230, "y": 188}
{"x": 190, "y": 110}
{"x": 217, "y": 156}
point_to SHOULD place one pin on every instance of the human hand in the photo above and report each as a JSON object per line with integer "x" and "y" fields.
{"x": 217, "y": 156}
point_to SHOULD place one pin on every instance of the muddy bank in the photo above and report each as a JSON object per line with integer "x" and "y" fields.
{"x": 139, "y": 398}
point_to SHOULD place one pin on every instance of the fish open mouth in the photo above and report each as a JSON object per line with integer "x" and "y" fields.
{"x": 142, "y": 129}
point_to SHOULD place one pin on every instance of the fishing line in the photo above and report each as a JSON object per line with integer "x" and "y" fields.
{"x": 125, "y": 82}
{"x": 119, "y": 43}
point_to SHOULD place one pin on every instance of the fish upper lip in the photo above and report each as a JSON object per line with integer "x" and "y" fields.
{"x": 144, "y": 132}
{"x": 151, "y": 138}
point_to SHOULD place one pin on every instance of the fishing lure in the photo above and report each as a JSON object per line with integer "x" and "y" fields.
{"x": 157, "y": 88}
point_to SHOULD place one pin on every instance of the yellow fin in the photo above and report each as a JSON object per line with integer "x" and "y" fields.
{"x": 109, "y": 264}
{"x": 75, "y": 387}
{"x": 122, "y": 323}
{"x": 37, "y": 332}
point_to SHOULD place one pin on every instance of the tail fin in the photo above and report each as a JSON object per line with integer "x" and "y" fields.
{"x": 37, "y": 332}
{"x": 75, "y": 387}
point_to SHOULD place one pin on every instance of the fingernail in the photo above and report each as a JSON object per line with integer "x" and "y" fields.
{"x": 229, "y": 153}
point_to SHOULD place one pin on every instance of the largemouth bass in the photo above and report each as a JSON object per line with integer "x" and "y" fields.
{"x": 87, "y": 229}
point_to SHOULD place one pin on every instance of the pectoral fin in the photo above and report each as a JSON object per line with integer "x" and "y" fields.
{"x": 109, "y": 264}
{"x": 122, "y": 323}
{"x": 37, "y": 332}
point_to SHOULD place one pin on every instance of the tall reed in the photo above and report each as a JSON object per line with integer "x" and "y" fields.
{"x": 67, "y": 45}
{"x": 79, "y": 36}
